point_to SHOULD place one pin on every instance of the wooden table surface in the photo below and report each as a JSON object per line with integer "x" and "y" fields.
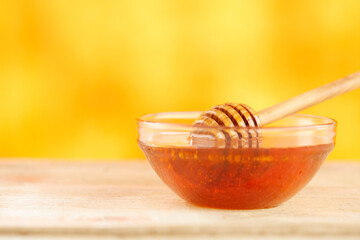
{"x": 110, "y": 200}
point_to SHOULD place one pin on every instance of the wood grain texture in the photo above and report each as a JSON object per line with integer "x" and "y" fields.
{"x": 84, "y": 200}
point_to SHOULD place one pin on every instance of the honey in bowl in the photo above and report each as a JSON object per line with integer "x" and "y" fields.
{"x": 245, "y": 178}
{"x": 263, "y": 176}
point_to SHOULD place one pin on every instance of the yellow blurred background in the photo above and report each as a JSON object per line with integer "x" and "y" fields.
{"x": 75, "y": 74}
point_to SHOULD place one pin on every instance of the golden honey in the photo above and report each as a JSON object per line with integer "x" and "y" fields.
{"x": 236, "y": 178}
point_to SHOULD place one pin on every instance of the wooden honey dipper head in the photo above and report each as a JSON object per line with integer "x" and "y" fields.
{"x": 230, "y": 115}
{"x": 240, "y": 120}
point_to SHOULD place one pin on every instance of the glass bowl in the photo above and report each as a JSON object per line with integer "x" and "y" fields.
{"x": 278, "y": 161}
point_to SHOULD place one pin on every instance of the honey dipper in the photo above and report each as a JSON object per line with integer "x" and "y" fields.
{"x": 233, "y": 115}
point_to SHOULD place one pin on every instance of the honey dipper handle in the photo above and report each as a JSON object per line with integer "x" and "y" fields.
{"x": 309, "y": 98}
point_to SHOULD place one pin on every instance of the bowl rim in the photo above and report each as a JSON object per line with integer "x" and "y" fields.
{"x": 330, "y": 122}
